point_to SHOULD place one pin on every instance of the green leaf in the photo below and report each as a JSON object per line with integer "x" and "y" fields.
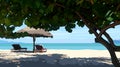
{"x": 37, "y": 3}
{"x": 50, "y": 8}
{"x": 71, "y": 25}
{"x": 118, "y": 14}
{"x": 110, "y": 19}
{"x": 80, "y": 23}
{"x": 27, "y": 23}
{"x": 79, "y": 2}
{"x": 7, "y": 22}
{"x": 55, "y": 17}
{"x": 90, "y": 31}
{"x": 68, "y": 28}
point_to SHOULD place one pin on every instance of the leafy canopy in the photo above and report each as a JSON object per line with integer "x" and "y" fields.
{"x": 52, "y": 14}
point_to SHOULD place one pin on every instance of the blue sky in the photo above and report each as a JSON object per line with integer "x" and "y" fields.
{"x": 79, "y": 35}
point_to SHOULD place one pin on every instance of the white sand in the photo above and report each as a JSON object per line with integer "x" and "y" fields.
{"x": 89, "y": 57}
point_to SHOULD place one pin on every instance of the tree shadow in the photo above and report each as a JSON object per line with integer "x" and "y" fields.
{"x": 55, "y": 60}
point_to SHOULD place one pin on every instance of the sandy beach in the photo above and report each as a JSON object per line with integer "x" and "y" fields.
{"x": 57, "y": 58}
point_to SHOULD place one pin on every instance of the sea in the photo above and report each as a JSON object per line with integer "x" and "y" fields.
{"x": 58, "y": 46}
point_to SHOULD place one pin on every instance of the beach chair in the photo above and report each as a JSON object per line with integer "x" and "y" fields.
{"x": 17, "y": 47}
{"x": 39, "y": 48}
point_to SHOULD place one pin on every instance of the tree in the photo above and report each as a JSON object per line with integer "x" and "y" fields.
{"x": 97, "y": 15}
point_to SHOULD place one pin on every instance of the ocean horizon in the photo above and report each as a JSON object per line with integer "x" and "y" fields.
{"x": 66, "y": 46}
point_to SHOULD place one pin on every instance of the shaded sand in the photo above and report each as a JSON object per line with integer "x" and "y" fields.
{"x": 56, "y": 58}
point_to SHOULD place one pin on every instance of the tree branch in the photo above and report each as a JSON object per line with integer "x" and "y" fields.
{"x": 107, "y": 36}
{"x": 57, "y": 4}
{"x": 109, "y": 26}
{"x": 109, "y": 39}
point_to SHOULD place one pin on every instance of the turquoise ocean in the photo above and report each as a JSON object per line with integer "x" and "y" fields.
{"x": 58, "y": 46}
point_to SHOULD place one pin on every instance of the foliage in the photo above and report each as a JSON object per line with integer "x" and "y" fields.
{"x": 52, "y": 14}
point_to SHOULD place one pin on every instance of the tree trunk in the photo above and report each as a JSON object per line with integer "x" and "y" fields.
{"x": 114, "y": 58}
{"x": 111, "y": 50}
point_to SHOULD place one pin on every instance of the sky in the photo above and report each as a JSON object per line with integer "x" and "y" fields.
{"x": 79, "y": 35}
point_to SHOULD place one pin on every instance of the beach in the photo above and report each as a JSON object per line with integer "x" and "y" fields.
{"x": 57, "y": 58}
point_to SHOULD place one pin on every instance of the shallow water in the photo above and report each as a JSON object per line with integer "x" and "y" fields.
{"x": 71, "y": 46}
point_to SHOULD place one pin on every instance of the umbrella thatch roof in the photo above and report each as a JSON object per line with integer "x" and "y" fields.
{"x": 35, "y": 32}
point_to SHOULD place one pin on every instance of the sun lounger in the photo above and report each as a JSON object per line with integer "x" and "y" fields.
{"x": 39, "y": 48}
{"x": 17, "y": 47}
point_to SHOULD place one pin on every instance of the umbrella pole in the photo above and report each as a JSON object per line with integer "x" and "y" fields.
{"x": 33, "y": 43}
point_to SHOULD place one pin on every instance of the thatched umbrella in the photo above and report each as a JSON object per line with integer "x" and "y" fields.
{"x": 35, "y": 33}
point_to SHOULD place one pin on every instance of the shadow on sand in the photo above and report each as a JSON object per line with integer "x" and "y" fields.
{"x": 55, "y": 60}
